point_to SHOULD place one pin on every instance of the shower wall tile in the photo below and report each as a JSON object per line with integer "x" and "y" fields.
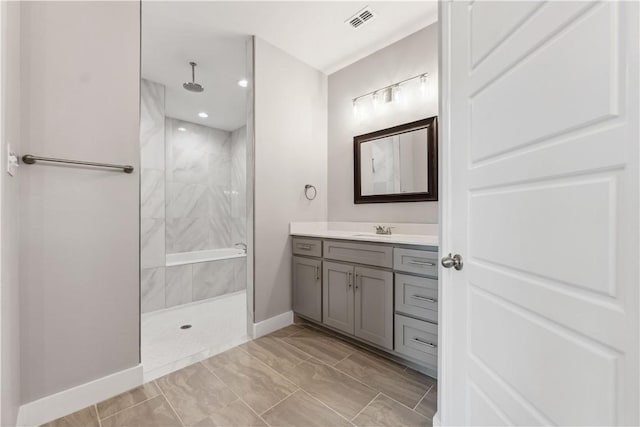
{"x": 239, "y": 230}
{"x": 189, "y": 165}
{"x": 188, "y": 200}
{"x": 212, "y": 279}
{"x": 152, "y": 124}
{"x": 152, "y": 184}
{"x": 198, "y": 155}
{"x": 152, "y": 242}
{"x": 220, "y": 164}
{"x": 152, "y": 194}
{"x": 240, "y": 273}
{"x": 198, "y": 181}
{"x": 187, "y": 234}
{"x": 220, "y": 218}
{"x": 239, "y": 185}
{"x": 178, "y": 288}
{"x": 219, "y": 233}
{"x": 152, "y": 289}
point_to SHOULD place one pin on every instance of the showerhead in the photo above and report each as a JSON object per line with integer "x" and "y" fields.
{"x": 192, "y": 86}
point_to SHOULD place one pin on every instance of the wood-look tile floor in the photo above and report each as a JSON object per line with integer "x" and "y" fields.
{"x": 297, "y": 376}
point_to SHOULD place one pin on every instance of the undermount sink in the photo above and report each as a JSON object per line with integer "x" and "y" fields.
{"x": 372, "y": 235}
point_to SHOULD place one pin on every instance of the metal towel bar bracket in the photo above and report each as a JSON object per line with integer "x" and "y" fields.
{"x": 29, "y": 160}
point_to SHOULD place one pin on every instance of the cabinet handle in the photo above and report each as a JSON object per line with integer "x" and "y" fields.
{"x": 356, "y": 282}
{"x": 422, "y": 263}
{"x": 421, "y": 298}
{"x": 349, "y": 280}
{"x": 425, "y": 343}
{"x": 303, "y": 246}
{"x": 317, "y": 272}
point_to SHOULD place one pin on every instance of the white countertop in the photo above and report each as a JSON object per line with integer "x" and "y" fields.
{"x": 405, "y": 234}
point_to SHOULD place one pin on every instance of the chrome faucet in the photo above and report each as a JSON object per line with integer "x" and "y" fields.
{"x": 242, "y": 245}
{"x": 381, "y": 229}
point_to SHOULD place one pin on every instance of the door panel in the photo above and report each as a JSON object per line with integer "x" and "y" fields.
{"x": 493, "y": 25}
{"x": 374, "y": 306}
{"x": 540, "y": 148}
{"x": 532, "y": 119}
{"x": 307, "y": 287}
{"x": 543, "y": 352}
{"x": 337, "y": 296}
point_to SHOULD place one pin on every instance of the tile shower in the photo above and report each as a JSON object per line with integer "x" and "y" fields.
{"x": 193, "y": 198}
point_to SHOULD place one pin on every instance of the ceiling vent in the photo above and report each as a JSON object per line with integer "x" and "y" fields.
{"x": 360, "y": 18}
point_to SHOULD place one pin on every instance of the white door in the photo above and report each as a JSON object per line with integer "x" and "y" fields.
{"x": 540, "y": 197}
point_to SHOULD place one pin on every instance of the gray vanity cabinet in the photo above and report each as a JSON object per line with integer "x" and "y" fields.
{"x": 373, "y": 290}
{"x": 359, "y": 301}
{"x": 307, "y": 287}
{"x": 382, "y": 294}
{"x": 337, "y": 296}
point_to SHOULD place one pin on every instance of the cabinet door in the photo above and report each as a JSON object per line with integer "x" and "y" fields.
{"x": 337, "y": 296}
{"x": 374, "y": 306}
{"x": 307, "y": 287}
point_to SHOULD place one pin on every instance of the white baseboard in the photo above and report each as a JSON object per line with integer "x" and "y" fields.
{"x": 436, "y": 420}
{"x": 272, "y": 324}
{"x": 71, "y": 400}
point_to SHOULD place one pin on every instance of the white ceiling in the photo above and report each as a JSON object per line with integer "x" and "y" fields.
{"x": 213, "y": 34}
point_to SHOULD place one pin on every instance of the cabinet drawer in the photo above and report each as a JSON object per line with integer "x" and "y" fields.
{"x": 360, "y": 253}
{"x": 416, "y": 261}
{"x": 309, "y": 247}
{"x": 416, "y": 339}
{"x": 417, "y": 296}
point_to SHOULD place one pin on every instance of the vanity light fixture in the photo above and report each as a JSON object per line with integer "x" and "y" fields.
{"x": 390, "y": 93}
{"x": 397, "y": 93}
{"x": 423, "y": 83}
{"x": 203, "y": 115}
{"x": 243, "y": 83}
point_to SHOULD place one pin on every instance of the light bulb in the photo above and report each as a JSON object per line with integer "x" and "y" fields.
{"x": 203, "y": 115}
{"x": 243, "y": 83}
{"x": 397, "y": 93}
{"x": 375, "y": 100}
{"x": 423, "y": 83}
{"x": 181, "y": 129}
{"x": 355, "y": 107}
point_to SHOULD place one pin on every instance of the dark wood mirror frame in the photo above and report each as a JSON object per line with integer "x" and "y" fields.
{"x": 431, "y": 195}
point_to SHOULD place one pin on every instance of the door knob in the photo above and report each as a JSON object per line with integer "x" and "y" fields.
{"x": 454, "y": 261}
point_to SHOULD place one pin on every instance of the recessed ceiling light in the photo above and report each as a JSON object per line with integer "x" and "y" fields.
{"x": 243, "y": 83}
{"x": 203, "y": 114}
{"x": 181, "y": 129}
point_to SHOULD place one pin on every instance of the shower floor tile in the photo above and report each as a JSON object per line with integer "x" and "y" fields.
{"x": 217, "y": 325}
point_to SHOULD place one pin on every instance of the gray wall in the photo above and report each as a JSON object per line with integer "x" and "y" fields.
{"x": 408, "y": 57}
{"x": 9, "y": 285}
{"x": 79, "y": 261}
{"x": 290, "y": 151}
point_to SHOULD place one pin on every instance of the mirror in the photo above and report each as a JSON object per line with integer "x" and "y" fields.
{"x": 399, "y": 164}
